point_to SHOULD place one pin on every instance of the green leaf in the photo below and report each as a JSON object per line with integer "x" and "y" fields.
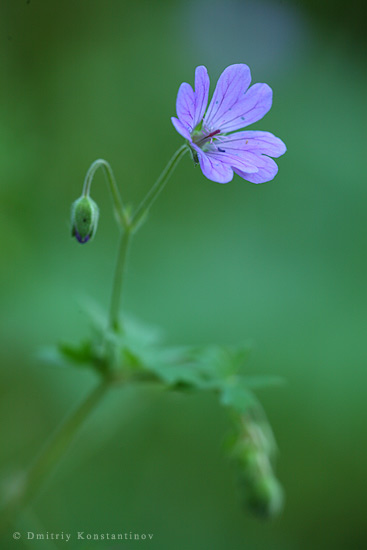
{"x": 237, "y": 396}
{"x": 82, "y": 353}
{"x": 86, "y": 354}
{"x": 195, "y": 367}
{"x": 52, "y": 355}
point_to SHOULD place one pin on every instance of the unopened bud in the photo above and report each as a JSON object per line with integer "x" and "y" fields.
{"x": 265, "y": 496}
{"x": 84, "y": 219}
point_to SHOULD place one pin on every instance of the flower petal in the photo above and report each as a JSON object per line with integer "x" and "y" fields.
{"x": 202, "y": 84}
{"x": 231, "y": 86}
{"x": 185, "y": 105}
{"x": 213, "y": 168}
{"x": 181, "y": 129}
{"x": 258, "y": 142}
{"x": 254, "y": 104}
{"x": 235, "y": 159}
{"x": 267, "y": 170}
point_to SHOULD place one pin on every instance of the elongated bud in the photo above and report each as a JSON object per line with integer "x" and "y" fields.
{"x": 265, "y": 496}
{"x": 253, "y": 449}
{"x": 84, "y": 219}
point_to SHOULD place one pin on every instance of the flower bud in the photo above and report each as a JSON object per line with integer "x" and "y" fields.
{"x": 84, "y": 219}
{"x": 265, "y": 496}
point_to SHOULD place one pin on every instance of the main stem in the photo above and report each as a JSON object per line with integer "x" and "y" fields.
{"x": 133, "y": 226}
{"x": 119, "y": 277}
{"x": 62, "y": 438}
{"x": 52, "y": 452}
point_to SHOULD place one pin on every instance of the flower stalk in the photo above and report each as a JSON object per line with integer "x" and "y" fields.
{"x": 120, "y": 211}
{"x": 158, "y": 187}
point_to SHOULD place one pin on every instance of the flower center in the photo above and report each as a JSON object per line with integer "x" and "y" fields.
{"x": 201, "y": 138}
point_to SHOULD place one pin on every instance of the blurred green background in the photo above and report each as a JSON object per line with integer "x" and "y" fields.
{"x": 282, "y": 264}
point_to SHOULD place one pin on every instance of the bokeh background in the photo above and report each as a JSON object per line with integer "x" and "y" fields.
{"x": 281, "y": 264}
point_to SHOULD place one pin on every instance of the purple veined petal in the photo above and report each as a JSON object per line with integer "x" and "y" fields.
{"x": 181, "y": 129}
{"x": 213, "y": 169}
{"x": 185, "y": 105}
{"x": 235, "y": 159}
{"x": 267, "y": 171}
{"x": 231, "y": 86}
{"x": 202, "y": 84}
{"x": 254, "y": 104}
{"x": 263, "y": 143}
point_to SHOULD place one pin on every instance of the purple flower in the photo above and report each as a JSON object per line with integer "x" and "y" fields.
{"x": 234, "y": 105}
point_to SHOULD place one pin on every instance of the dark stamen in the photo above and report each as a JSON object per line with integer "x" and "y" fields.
{"x": 209, "y": 136}
{"x": 213, "y": 134}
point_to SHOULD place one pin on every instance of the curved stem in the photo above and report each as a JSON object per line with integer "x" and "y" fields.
{"x": 118, "y": 281}
{"x": 51, "y": 454}
{"x": 59, "y": 443}
{"x": 132, "y": 226}
{"x": 117, "y": 201}
{"x": 152, "y": 195}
